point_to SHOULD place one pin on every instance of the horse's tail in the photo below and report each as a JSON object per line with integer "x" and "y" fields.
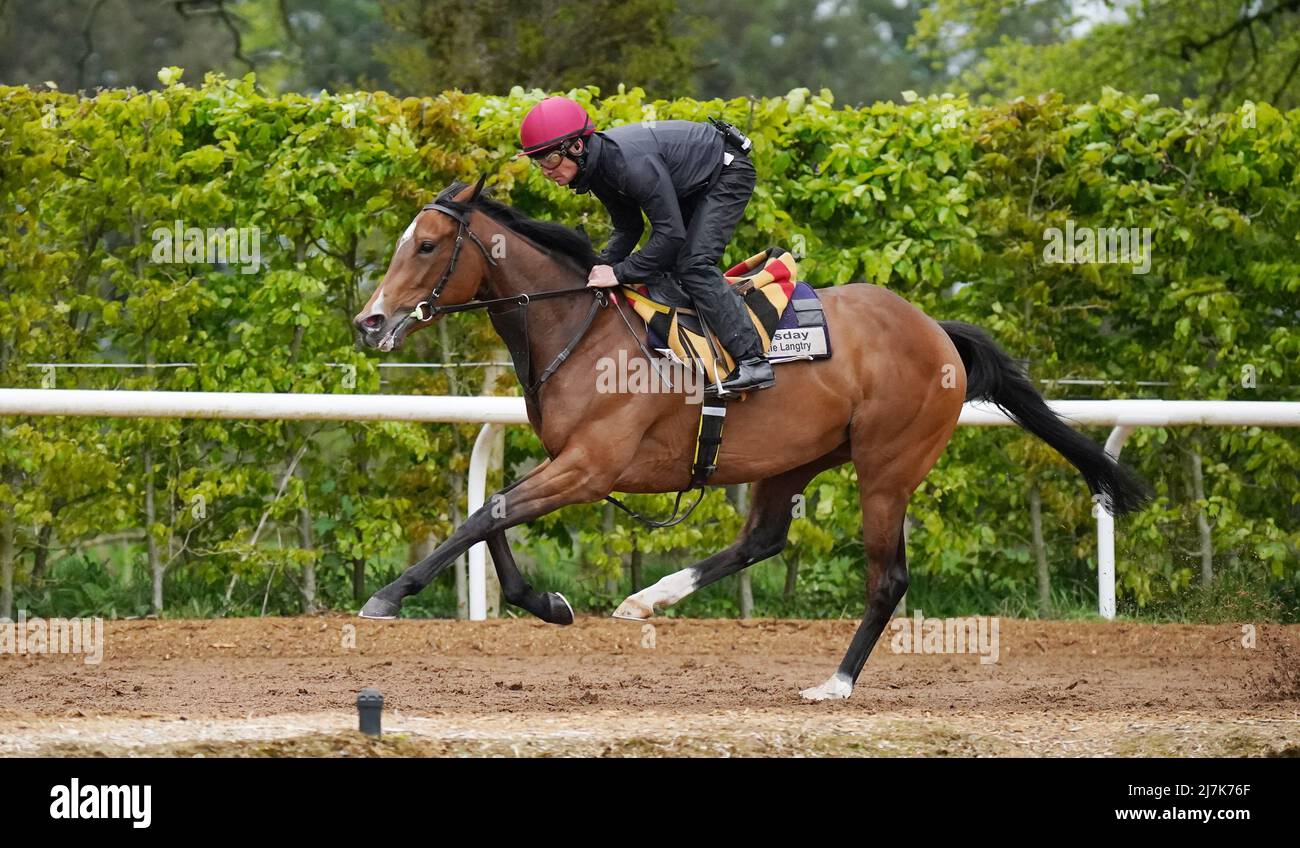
{"x": 992, "y": 375}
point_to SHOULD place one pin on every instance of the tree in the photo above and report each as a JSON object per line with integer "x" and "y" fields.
{"x": 856, "y": 48}
{"x": 81, "y": 44}
{"x": 1211, "y": 51}
{"x": 494, "y": 45}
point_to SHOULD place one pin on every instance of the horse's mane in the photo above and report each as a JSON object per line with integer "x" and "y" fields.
{"x": 554, "y": 238}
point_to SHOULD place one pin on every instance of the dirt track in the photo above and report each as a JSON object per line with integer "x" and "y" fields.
{"x": 287, "y": 686}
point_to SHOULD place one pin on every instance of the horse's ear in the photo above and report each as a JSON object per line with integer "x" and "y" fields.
{"x": 478, "y": 188}
{"x": 468, "y": 194}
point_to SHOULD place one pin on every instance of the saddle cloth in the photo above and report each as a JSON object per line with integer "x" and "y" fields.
{"x": 787, "y": 314}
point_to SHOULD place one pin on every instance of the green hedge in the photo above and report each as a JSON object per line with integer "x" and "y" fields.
{"x": 918, "y": 197}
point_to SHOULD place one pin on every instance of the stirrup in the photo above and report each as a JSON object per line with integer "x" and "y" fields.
{"x": 758, "y": 381}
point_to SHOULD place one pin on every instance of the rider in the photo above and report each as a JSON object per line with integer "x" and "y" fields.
{"x": 693, "y": 182}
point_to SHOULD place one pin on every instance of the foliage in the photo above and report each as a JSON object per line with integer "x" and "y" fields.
{"x": 858, "y": 49}
{"x": 1207, "y": 51}
{"x": 491, "y": 45}
{"x": 944, "y": 202}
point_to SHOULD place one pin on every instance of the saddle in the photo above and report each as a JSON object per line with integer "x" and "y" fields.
{"x": 786, "y": 313}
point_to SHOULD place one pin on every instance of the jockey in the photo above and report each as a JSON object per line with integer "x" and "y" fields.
{"x": 691, "y": 180}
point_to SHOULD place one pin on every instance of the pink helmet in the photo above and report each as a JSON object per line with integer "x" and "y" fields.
{"x": 551, "y": 122}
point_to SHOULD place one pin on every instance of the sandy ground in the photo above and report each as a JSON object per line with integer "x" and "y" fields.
{"x": 257, "y": 687}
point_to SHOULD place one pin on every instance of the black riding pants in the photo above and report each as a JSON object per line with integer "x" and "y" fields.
{"x": 711, "y": 220}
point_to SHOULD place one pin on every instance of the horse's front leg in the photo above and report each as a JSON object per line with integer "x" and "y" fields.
{"x": 551, "y": 607}
{"x": 568, "y": 479}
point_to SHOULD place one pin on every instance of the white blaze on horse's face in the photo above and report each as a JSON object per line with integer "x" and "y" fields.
{"x": 406, "y": 236}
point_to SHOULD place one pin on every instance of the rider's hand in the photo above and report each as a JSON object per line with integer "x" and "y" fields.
{"x": 602, "y": 276}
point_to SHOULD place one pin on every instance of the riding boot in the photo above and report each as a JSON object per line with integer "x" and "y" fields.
{"x": 750, "y": 375}
{"x": 752, "y": 371}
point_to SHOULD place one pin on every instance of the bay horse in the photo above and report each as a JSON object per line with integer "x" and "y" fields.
{"x": 887, "y": 401}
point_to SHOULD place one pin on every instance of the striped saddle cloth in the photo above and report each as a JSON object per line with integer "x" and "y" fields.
{"x": 786, "y": 313}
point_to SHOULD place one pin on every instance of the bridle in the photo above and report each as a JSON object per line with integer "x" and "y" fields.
{"x": 428, "y": 305}
{"x": 428, "y": 309}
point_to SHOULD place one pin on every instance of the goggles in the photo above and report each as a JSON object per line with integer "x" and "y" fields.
{"x": 548, "y": 159}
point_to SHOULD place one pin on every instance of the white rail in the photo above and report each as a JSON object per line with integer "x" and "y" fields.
{"x": 493, "y": 412}
{"x": 262, "y": 405}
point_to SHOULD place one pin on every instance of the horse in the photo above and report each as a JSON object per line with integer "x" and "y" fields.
{"x": 887, "y": 401}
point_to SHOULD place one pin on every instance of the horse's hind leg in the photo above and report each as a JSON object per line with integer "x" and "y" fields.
{"x": 764, "y": 535}
{"x": 886, "y": 583}
{"x": 891, "y": 463}
{"x": 551, "y": 607}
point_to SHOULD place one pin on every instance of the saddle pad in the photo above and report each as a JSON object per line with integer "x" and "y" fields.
{"x": 802, "y": 332}
{"x": 787, "y": 315}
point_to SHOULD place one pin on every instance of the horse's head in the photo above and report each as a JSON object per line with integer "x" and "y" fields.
{"x": 438, "y": 261}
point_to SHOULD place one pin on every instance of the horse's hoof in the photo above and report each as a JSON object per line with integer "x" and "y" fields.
{"x": 561, "y": 612}
{"x": 379, "y": 609}
{"x": 837, "y": 688}
{"x": 633, "y": 610}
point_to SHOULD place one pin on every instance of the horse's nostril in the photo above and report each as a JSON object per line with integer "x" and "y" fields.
{"x": 371, "y": 323}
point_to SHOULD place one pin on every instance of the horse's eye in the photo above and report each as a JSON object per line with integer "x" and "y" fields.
{"x": 427, "y": 246}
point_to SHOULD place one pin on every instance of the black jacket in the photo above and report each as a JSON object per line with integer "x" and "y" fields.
{"x": 648, "y": 166}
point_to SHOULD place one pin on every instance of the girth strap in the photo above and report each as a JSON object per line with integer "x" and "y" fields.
{"x": 713, "y": 413}
{"x": 707, "y": 445}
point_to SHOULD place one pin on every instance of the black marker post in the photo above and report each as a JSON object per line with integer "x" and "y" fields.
{"x": 369, "y": 705}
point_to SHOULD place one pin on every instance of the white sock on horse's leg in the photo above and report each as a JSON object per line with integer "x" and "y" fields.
{"x": 668, "y": 591}
{"x": 838, "y": 687}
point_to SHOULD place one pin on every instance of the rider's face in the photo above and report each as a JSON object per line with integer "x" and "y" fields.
{"x": 565, "y": 171}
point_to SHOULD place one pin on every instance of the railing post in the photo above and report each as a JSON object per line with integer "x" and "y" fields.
{"x": 477, "y": 493}
{"x": 1106, "y": 534}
